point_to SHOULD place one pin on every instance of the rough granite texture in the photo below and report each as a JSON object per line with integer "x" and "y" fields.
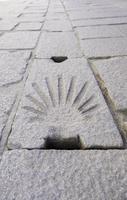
{"x": 94, "y": 22}
{"x": 12, "y": 66}
{"x": 58, "y": 44}
{"x": 62, "y": 175}
{"x": 104, "y": 47}
{"x": 29, "y": 26}
{"x": 57, "y": 25}
{"x": 71, "y": 104}
{"x": 102, "y": 31}
{"x": 19, "y": 40}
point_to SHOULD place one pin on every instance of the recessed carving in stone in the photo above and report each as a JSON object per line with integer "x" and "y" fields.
{"x": 62, "y": 112}
{"x": 54, "y": 106}
{"x": 59, "y": 59}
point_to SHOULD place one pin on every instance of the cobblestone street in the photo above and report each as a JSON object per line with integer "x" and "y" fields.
{"x": 63, "y": 100}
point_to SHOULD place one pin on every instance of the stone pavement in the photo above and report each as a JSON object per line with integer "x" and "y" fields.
{"x": 63, "y": 100}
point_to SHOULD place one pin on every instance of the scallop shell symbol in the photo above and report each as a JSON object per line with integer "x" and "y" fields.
{"x": 73, "y": 110}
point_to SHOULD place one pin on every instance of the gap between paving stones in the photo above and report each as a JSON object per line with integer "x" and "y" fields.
{"x": 7, "y": 130}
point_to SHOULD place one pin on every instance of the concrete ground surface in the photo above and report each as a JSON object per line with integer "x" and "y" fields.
{"x": 63, "y": 100}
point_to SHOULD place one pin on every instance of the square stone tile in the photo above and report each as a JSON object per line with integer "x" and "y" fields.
{"x": 58, "y": 44}
{"x": 69, "y": 104}
{"x": 19, "y": 40}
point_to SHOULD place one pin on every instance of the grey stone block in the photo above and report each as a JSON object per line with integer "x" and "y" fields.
{"x": 58, "y": 44}
{"x": 19, "y": 40}
{"x": 102, "y": 31}
{"x": 69, "y": 105}
{"x": 12, "y": 67}
{"x": 57, "y": 25}
{"x": 104, "y": 47}
{"x": 60, "y": 175}
{"x": 29, "y": 26}
{"x": 94, "y": 22}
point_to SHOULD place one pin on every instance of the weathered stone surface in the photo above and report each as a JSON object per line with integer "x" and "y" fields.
{"x": 58, "y": 44}
{"x": 104, "y": 47}
{"x": 71, "y": 106}
{"x": 57, "y": 25}
{"x": 7, "y": 25}
{"x": 85, "y": 14}
{"x": 19, "y": 40}
{"x": 29, "y": 18}
{"x": 32, "y": 17}
{"x": 94, "y": 22}
{"x": 12, "y": 67}
{"x": 56, "y": 15}
{"x": 7, "y": 99}
{"x": 102, "y": 31}
{"x": 113, "y": 76}
{"x": 59, "y": 175}
{"x": 29, "y": 26}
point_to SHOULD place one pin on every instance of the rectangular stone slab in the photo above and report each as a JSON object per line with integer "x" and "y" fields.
{"x": 58, "y": 44}
{"x": 102, "y": 31}
{"x": 57, "y": 25}
{"x": 58, "y": 175}
{"x": 94, "y": 22}
{"x": 104, "y": 47}
{"x": 19, "y": 40}
{"x": 63, "y": 100}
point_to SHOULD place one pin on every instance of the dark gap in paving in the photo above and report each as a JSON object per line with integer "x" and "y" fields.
{"x": 59, "y": 59}
{"x": 72, "y": 143}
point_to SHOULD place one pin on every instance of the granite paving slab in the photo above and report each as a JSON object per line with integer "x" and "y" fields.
{"x": 104, "y": 47}
{"x": 58, "y": 44}
{"x": 57, "y": 25}
{"x": 113, "y": 76}
{"x": 29, "y": 26}
{"x": 19, "y": 40}
{"x": 94, "y": 22}
{"x": 59, "y": 175}
{"x": 12, "y": 66}
{"x": 102, "y": 31}
{"x": 63, "y": 102}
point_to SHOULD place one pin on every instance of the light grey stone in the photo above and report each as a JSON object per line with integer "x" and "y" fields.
{"x": 113, "y": 74}
{"x": 60, "y": 175}
{"x": 57, "y": 25}
{"x": 7, "y": 99}
{"x": 94, "y": 22}
{"x": 55, "y": 15}
{"x": 29, "y": 26}
{"x": 58, "y": 44}
{"x": 102, "y": 31}
{"x": 12, "y": 67}
{"x": 104, "y": 47}
{"x": 7, "y": 25}
{"x": 31, "y": 18}
{"x": 19, "y": 40}
{"x": 62, "y": 114}
{"x": 91, "y": 14}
